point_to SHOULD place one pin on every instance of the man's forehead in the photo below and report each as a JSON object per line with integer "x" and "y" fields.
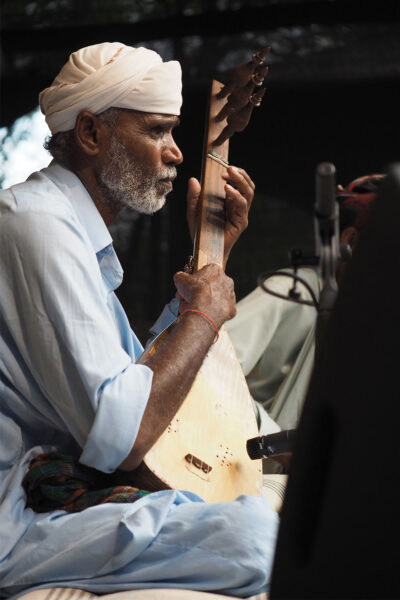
{"x": 161, "y": 118}
{"x": 153, "y": 118}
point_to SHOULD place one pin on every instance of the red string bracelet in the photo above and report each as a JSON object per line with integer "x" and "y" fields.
{"x": 206, "y": 317}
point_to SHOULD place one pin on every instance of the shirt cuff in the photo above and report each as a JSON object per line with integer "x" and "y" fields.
{"x": 116, "y": 424}
{"x": 168, "y": 316}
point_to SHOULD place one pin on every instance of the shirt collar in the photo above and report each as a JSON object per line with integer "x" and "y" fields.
{"x": 86, "y": 210}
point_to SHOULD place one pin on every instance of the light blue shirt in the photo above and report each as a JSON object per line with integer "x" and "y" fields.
{"x": 69, "y": 379}
{"x": 58, "y": 273}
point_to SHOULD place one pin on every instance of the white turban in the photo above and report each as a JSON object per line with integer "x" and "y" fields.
{"x": 111, "y": 75}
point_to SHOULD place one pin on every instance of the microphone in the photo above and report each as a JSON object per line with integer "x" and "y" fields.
{"x": 327, "y": 240}
{"x": 326, "y": 218}
{"x": 325, "y": 189}
{"x": 268, "y": 446}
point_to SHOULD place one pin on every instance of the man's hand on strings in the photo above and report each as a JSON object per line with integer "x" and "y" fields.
{"x": 209, "y": 290}
{"x": 239, "y": 189}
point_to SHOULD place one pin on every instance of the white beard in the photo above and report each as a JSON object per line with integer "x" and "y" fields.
{"x": 125, "y": 182}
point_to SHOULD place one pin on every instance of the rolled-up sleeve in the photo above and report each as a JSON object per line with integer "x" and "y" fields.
{"x": 168, "y": 315}
{"x": 68, "y": 338}
{"x": 117, "y": 418}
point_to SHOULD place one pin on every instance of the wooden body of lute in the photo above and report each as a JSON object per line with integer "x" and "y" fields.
{"x": 203, "y": 449}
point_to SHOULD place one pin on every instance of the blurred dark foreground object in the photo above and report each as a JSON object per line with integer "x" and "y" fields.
{"x": 340, "y": 519}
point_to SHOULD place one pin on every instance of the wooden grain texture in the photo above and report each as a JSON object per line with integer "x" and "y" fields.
{"x": 203, "y": 449}
{"x": 209, "y": 242}
{"x": 213, "y": 424}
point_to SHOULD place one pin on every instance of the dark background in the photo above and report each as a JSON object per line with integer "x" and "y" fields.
{"x": 332, "y": 94}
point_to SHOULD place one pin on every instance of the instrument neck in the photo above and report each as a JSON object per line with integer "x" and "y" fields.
{"x": 209, "y": 240}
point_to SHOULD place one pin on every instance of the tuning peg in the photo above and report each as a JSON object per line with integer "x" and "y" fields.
{"x": 241, "y": 74}
{"x": 259, "y": 57}
{"x": 236, "y": 100}
{"x": 259, "y": 75}
{"x": 258, "y": 95}
{"x": 240, "y": 78}
{"x": 238, "y": 120}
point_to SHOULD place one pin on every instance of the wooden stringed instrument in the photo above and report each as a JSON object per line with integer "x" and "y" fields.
{"x": 204, "y": 447}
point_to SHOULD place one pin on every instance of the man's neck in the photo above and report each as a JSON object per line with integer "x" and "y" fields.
{"x": 89, "y": 180}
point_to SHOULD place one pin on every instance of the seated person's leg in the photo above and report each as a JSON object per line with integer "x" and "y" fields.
{"x": 167, "y": 539}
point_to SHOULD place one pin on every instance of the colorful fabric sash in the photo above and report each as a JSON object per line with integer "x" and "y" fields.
{"x": 57, "y": 481}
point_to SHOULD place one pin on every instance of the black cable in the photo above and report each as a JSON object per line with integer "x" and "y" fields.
{"x": 264, "y": 276}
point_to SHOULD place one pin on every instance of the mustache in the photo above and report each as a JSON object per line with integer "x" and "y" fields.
{"x": 167, "y": 173}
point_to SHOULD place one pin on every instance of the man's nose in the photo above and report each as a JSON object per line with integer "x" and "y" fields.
{"x": 172, "y": 154}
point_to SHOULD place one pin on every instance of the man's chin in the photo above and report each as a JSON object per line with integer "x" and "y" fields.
{"x": 150, "y": 208}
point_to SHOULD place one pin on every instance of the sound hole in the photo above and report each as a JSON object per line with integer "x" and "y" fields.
{"x": 199, "y": 464}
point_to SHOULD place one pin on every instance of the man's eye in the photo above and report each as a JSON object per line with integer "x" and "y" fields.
{"x": 159, "y": 131}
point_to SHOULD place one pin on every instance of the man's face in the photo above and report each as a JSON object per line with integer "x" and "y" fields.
{"x": 140, "y": 162}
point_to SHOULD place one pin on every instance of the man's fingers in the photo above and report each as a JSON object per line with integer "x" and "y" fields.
{"x": 237, "y": 174}
{"x": 210, "y": 290}
{"x": 192, "y": 201}
{"x": 240, "y": 180}
{"x": 245, "y": 176}
{"x": 181, "y": 279}
{"x": 183, "y": 283}
{"x": 236, "y": 209}
{"x": 194, "y": 189}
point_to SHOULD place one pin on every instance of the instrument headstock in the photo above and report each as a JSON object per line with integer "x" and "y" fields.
{"x": 243, "y": 92}
{"x": 228, "y": 111}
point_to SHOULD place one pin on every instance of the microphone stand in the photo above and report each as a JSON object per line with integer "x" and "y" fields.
{"x": 326, "y": 226}
{"x": 327, "y": 240}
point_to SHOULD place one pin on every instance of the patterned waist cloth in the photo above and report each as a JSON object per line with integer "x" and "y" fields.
{"x": 57, "y": 481}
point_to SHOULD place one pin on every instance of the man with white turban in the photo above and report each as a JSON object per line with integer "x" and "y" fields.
{"x": 70, "y": 384}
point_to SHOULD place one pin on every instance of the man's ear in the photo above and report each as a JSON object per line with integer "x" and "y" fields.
{"x": 349, "y": 236}
{"x": 89, "y": 133}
